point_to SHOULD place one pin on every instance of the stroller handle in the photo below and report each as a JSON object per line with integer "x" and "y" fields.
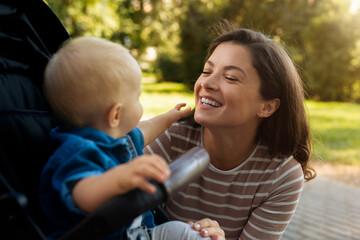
{"x": 122, "y": 209}
{"x": 186, "y": 169}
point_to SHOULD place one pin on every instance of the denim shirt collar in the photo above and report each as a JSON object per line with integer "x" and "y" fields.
{"x": 100, "y": 138}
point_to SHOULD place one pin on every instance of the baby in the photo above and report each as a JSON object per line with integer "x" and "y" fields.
{"x": 93, "y": 87}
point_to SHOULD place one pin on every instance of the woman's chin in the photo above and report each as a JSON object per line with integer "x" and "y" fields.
{"x": 200, "y": 120}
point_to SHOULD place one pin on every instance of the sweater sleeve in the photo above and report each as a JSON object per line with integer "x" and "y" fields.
{"x": 270, "y": 218}
{"x": 175, "y": 141}
{"x": 161, "y": 146}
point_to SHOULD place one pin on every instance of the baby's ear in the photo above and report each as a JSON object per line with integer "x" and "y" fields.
{"x": 113, "y": 117}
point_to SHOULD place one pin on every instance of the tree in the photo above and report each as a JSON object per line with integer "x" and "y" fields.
{"x": 195, "y": 39}
{"x": 320, "y": 35}
{"x": 330, "y": 42}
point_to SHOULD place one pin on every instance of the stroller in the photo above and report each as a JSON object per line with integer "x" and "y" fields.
{"x": 29, "y": 34}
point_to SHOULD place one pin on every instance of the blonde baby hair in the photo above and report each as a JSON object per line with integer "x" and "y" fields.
{"x": 84, "y": 79}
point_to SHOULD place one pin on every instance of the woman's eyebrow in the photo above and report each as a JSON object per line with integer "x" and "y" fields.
{"x": 231, "y": 67}
{"x": 210, "y": 63}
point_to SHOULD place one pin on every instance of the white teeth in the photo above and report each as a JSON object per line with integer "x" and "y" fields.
{"x": 210, "y": 102}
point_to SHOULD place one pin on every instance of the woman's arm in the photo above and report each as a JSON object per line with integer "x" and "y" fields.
{"x": 153, "y": 127}
{"x": 271, "y": 217}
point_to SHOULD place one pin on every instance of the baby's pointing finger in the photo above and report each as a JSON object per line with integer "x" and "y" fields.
{"x": 180, "y": 105}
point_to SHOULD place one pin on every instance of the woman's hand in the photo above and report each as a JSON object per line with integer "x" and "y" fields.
{"x": 209, "y": 228}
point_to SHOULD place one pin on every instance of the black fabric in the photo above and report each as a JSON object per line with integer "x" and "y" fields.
{"x": 29, "y": 34}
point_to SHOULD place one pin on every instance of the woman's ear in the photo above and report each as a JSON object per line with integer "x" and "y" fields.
{"x": 269, "y": 107}
{"x": 114, "y": 114}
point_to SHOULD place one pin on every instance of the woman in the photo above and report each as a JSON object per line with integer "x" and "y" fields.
{"x": 250, "y": 117}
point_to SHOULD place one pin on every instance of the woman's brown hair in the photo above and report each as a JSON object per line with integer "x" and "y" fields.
{"x": 287, "y": 131}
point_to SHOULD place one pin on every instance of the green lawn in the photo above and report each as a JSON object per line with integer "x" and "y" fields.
{"x": 158, "y": 98}
{"x": 335, "y": 126}
{"x": 336, "y": 131}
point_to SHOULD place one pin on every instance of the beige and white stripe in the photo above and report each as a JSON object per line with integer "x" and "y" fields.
{"x": 256, "y": 200}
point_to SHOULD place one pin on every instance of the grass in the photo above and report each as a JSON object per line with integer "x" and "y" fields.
{"x": 158, "y": 98}
{"x": 335, "y": 126}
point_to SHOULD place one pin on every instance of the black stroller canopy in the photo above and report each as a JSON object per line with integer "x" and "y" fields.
{"x": 29, "y": 34}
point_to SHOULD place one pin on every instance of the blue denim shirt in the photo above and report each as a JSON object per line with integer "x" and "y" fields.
{"x": 82, "y": 152}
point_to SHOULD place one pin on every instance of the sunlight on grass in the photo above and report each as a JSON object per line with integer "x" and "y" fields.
{"x": 158, "y": 98}
{"x": 164, "y": 87}
{"x": 336, "y": 131}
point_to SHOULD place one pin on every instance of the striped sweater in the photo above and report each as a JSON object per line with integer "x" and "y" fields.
{"x": 255, "y": 200}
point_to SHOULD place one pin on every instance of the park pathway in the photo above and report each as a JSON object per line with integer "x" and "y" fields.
{"x": 328, "y": 210}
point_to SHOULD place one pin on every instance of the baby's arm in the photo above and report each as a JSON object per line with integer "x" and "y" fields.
{"x": 153, "y": 127}
{"x": 91, "y": 192}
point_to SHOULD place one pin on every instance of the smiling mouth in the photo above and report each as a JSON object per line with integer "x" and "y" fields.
{"x": 210, "y": 103}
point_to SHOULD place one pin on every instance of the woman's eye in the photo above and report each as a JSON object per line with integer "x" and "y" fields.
{"x": 206, "y": 72}
{"x": 231, "y": 78}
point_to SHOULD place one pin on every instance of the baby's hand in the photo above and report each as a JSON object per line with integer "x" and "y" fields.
{"x": 134, "y": 174}
{"x": 176, "y": 113}
{"x": 154, "y": 127}
{"x": 91, "y": 192}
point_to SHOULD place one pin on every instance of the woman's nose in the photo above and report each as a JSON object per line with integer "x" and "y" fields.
{"x": 210, "y": 83}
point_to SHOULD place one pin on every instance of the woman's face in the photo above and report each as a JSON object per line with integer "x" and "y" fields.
{"x": 227, "y": 92}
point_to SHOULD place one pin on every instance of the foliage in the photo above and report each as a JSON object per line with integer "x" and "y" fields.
{"x": 93, "y": 17}
{"x": 170, "y": 69}
{"x": 313, "y": 32}
{"x": 331, "y": 70}
{"x": 323, "y": 36}
{"x": 126, "y": 21}
{"x": 195, "y": 40}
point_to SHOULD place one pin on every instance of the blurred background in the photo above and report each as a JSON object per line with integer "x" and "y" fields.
{"x": 169, "y": 38}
